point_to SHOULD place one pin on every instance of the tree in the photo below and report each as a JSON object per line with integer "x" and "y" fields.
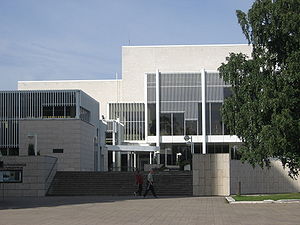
{"x": 264, "y": 109}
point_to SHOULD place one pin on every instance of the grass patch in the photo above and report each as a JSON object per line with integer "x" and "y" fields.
{"x": 266, "y": 197}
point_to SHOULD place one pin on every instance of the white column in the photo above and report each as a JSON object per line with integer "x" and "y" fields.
{"x": 203, "y": 91}
{"x": 146, "y": 106}
{"x": 157, "y": 85}
{"x": 134, "y": 160}
{"x": 150, "y": 157}
{"x": 114, "y": 152}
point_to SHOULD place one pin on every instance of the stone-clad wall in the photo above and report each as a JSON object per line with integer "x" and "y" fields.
{"x": 38, "y": 172}
{"x": 75, "y": 137}
{"x": 216, "y": 174}
{"x": 211, "y": 174}
{"x": 261, "y": 181}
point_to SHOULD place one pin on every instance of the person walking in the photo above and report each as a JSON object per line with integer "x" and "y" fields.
{"x": 139, "y": 182}
{"x": 150, "y": 182}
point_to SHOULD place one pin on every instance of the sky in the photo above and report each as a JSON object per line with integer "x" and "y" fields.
{"x": 82, "y": 39}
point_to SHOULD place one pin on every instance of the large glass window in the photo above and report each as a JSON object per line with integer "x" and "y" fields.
{"x": 191, "y": 127}
{"x": 47, "y": 111}
{"x": 227, "y": 92}
{"x": 151, "y": 119}
{"x": 59, "y": 111}
{"x": 165, "y": 124}
{"x": 216, "y": 120}
{"x": 207, "y": 118}
{"x": 178, "y": 123}
{"x": 199, "y": 118}
{"x": 70, "y": 111}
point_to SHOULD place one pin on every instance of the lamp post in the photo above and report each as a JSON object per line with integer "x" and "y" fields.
{"x": 189, "y": 139}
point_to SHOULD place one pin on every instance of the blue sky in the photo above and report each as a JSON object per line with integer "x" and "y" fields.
{"x": 82, "y": 39}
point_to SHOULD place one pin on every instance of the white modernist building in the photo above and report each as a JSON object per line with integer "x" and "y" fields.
{"x": 166, "y": 94}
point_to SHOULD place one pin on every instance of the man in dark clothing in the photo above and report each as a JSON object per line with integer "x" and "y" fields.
{"x": 139, "y": 182}
{"x": 150, "y": 184}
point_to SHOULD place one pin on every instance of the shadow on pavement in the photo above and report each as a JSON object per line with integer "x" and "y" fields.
{"x": 49, "y": 201}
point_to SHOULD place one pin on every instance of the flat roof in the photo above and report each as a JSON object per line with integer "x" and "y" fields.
{"x": 162, "y": 46}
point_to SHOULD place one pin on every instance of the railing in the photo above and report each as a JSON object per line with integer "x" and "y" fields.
{"x": 54, "y": 164}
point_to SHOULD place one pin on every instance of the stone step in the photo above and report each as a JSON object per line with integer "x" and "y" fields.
{"x": 118, "y": 183}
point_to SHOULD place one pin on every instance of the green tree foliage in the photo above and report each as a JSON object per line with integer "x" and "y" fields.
{"x": 264, "y": 110}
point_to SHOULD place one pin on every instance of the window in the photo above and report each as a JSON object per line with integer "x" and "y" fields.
{"x": 58, "y": 150}
{"x": 151, "y": 119}
{"x": 227, "y": 92}
{"x": 165, "y": 124}
{"x": 191, "y": 127}
{"x": 47, "y": 111}
{"x": 85, "y": 114}
{"x": 216, "y": 120}
{"x": 11, "y": 176}
{"x": 70, "y": 111}
{"x": 178, "y": 123}
{"x": 199, "y": 118}
{"x": 59, "y": 111}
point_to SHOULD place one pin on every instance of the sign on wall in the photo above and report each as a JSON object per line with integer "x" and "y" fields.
{"x": 10, "y": 176}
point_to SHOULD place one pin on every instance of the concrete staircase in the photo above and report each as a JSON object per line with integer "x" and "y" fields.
{"x": 176, "y": 183}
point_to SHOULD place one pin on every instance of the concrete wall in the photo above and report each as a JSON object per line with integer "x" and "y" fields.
{"x": 37, "y": 175}
{"x": 257, "y": 180}
{"x": 138, "y": 60}
{"x": 75, "y": 137}
{"x": 211, "y": 174}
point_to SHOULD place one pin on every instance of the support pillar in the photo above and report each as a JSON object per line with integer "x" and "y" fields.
{"x": 157, "y": 94}
{"x": 203, "y": 92}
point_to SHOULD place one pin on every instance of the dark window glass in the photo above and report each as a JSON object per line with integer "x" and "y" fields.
{"x": 151, "y": 119}
{"x": 178, "y": 123}
{"x": 108, "y": 138}
{"x": 70, "y": 111}
{"x": 47, "y": 111}
{"x": 3, "y": 151}
{"x": 207, "y": 118}
{"x": 58, "y": 150}
{"x": 227, "y": 92}
{"x": 191, "y": 127}
{"x": 217, "y": 148}
{"x": 84, "y": 114}
{"x": 165, "y": 124}
{"x": 216, "y": 120}
{"x": 14, "y": 151}
{"x": 199, "y": 118}
{"x": 59, "y": 111}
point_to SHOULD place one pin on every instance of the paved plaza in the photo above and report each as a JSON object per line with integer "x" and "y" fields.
{"x": 139, "y": 211}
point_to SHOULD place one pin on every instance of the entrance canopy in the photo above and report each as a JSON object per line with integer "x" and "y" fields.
{"x": 132, "y": 148}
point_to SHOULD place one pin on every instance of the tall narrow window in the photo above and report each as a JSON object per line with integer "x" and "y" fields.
{"x": 151, "y": 119}
{"x": 216, "y": 120}
{"x": 191, "y": 127}
{"x": 178, "y": 124}
{"x": 165, "y": 124}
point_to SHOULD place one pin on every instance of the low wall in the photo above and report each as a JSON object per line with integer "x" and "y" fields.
{"x": 37, "y": 175}
{"x": 261, "y": 181}
{"x": 211, "y": 174}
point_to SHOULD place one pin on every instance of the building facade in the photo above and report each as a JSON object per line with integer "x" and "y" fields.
{"x": 169, "y": 97}
{"x": 58, "y": 123}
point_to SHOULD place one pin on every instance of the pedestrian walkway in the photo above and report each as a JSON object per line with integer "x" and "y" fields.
{"x": 140, "y": 211}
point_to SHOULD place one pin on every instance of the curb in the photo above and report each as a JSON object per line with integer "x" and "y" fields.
{"x": 231, "y": 200}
